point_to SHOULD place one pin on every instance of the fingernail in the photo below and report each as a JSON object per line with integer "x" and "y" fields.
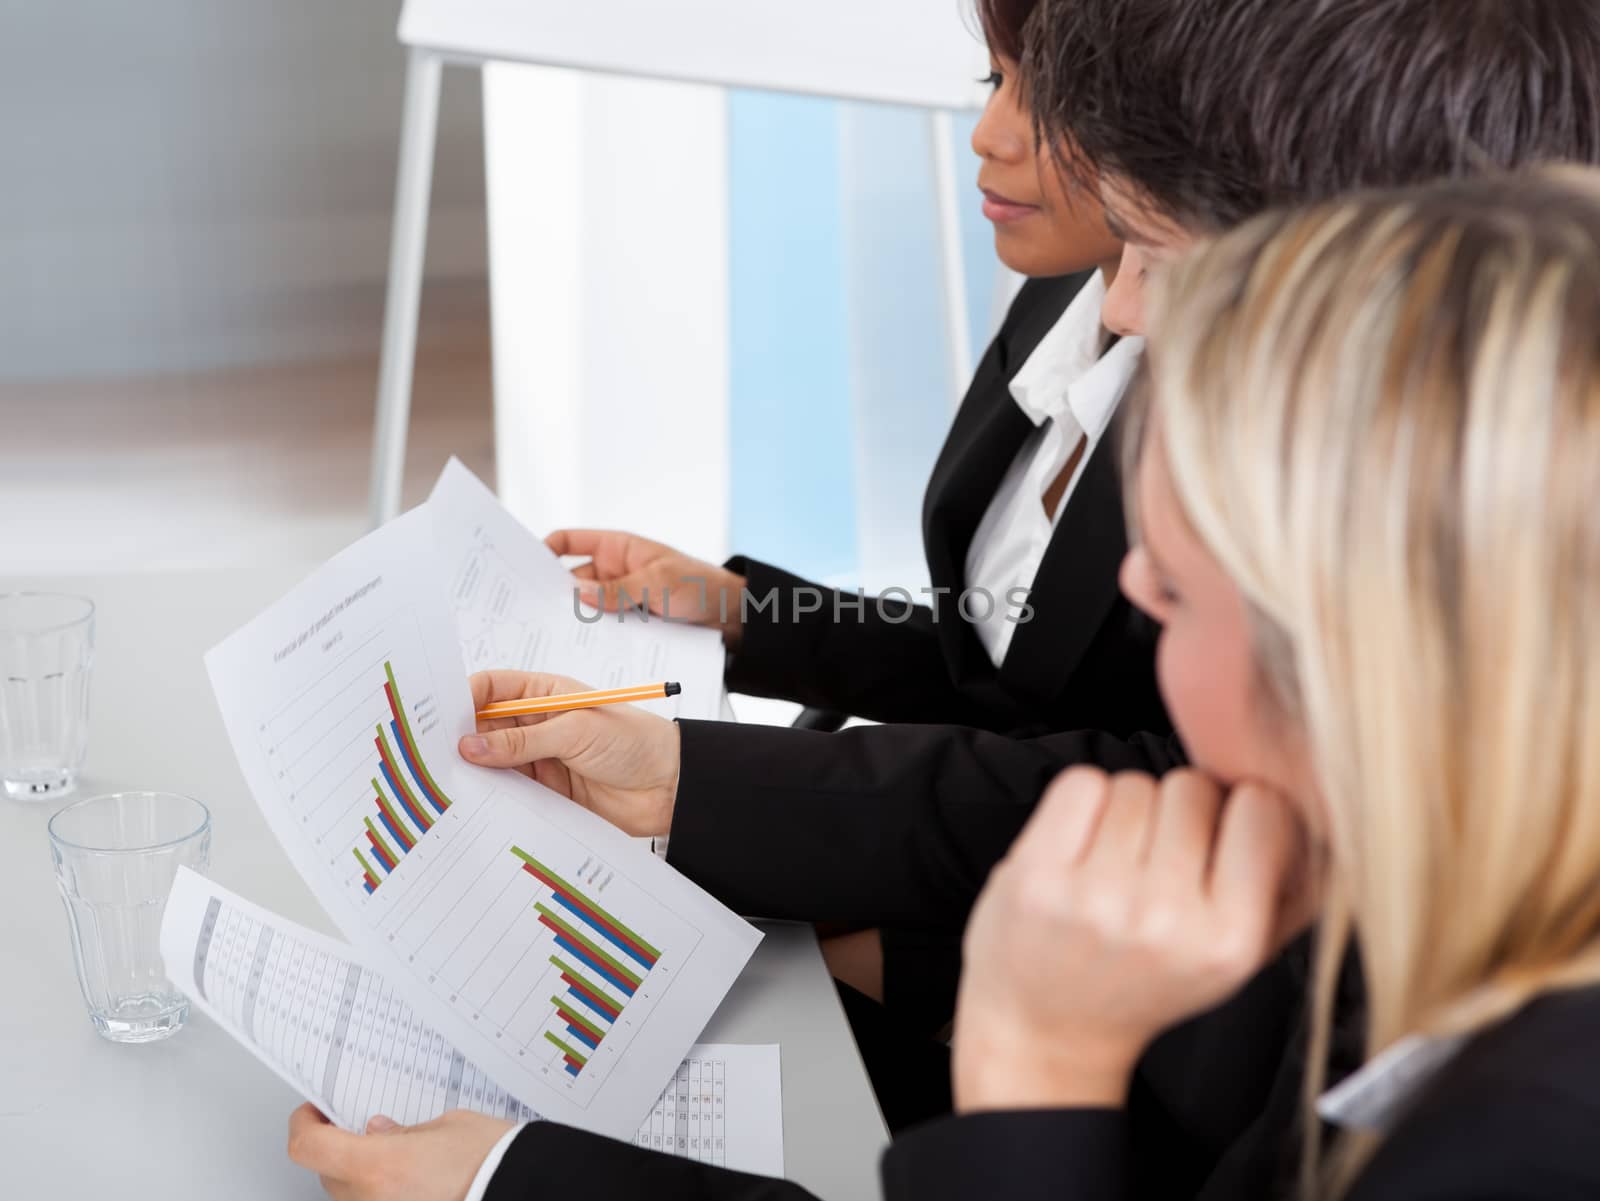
{"x": 472, "y": 744}
{"x": 378, "y": 1124}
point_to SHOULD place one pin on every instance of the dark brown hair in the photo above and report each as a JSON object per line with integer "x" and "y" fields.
{"x": 1003, "y": 22}
{"x": 1215, "y": 110}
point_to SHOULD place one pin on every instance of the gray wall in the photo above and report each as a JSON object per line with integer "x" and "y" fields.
{"x": 196, "y": 183}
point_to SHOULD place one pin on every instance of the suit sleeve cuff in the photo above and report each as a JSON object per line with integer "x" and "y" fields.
{"x": 772, "y": 633}
{"x": 1022, "y": 1155}
{"x": 710, "y": 814}
{"x": 491, "y": 1163}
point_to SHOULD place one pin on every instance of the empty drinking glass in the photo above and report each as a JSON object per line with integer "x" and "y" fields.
{"x": 46, "y": 650}
{"x": 116, "y": 857}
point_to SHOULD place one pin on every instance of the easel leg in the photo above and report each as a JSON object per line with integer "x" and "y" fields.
{"x": 407, "y": 247}
{"x": 958, "y": 339}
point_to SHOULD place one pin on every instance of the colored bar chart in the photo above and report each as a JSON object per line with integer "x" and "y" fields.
{"x": 600, "y": 958}
{"x": 401, "y": 725}
{"x": 585, "y": 910}
{"x": 407, "y": 798}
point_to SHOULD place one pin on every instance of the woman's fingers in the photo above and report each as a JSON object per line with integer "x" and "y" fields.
{"x": 557, "y": 777}
{"x": 1300, "y": 893}
{"x": 624, "y": 594}
{"x": 559, "y": 737}
{"x": 1258, "y": 839}
{"x": 1064, "y": 824}
{"x": 612, "y": 552}
{"x": 560, "y": 542}
{"x": 316, "y": 1143}
{"x": 1123, "y": 838}
{"x": 1185, "y": 828}
{"x": 584, "y": 542}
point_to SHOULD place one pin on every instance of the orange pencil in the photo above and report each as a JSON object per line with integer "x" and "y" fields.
{"x": 578, "y": 700}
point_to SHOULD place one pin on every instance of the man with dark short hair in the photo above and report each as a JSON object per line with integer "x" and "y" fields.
{"x": 1190, "y": 117}
{"x": 1196, "y": 114}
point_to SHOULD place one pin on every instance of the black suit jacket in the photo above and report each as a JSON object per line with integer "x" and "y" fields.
{"x": 895, "y": 825}
{"x": 1511, "y": 1118}
{"x": 1085, "y": 659}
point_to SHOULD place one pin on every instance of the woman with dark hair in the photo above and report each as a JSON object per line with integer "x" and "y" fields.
{"x": 1022, "y": 524}
{"x": 999, "y": 510}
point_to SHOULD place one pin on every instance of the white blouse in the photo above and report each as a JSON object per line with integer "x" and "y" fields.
{"x": 1069, "y": 390}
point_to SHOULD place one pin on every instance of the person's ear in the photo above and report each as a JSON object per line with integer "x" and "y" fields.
{"x": 1122, "y": 312}
{"x": 1138, "y": 582}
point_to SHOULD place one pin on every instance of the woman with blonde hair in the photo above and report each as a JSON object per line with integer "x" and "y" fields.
{"x": 1367, "y": 524}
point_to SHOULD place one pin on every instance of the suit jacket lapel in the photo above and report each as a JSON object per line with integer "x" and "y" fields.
{"x": 984, "y": 439}
{"x": 1077, "y": 579}
{"x": 974, "y": 461}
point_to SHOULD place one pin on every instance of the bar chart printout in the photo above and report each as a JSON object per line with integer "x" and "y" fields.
{"x": 329, "y": 1025}
{"x": 556, "y": 953}
{"x": 413, "y": 800}
{"x": 355, "y": 756}
{"x": 608, "y": 962}
{"x": 344, "y": 703}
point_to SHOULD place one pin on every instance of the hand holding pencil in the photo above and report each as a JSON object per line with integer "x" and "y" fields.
{"x": 610, "y": 757}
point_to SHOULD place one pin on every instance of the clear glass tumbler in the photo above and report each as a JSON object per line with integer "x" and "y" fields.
{"x": 46, "y": 651}
{"x": 116, "y": 857}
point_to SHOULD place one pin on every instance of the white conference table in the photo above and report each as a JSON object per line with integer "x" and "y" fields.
{"x": 196, "y": 1115}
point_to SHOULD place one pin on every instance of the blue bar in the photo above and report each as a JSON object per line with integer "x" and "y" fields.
{"x": 388, "y": 825}
{"x": 630, "y": 952}
{"x": 394, "y": 788}
{"x": 368, "y": 887}
{"x": 594, "y": 964}
{"x": 422, "y": 785}
{"x": 588, "y": 1004}
{"x": 572, "y": 1070}
{"x": 583, "y": 1036}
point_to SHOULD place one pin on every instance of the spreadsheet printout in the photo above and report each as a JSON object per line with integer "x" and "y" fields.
{"x": 328, "y": 1024}
{"x": 514, "y": 608}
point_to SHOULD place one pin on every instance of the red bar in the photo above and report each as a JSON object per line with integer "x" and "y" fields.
{"x": 424, "y": 823}
{"x": 377, "y": 850}
{"x": 589, "y": 910}
{"x": 391, "y": 822}
{"x": 572, "y": 1061}
{"x": 610, "y": 1009}
{"x": 370, "y": 880}
{"x": 403, "y": 733}
{"x": 544, "y": 921}
{"x": 572, "y": 1021}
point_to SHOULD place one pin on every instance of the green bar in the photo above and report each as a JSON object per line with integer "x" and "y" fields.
{"x": 596, "y": 989}
{"x": 581, "y": 1059}
{"x": 588, "y": 945}
{"x": 400, "y": 778}
{"x": 365, "y": 866}
{"x": 578, "y": 1018}
{"x": 578, "y": 893}
{"x": 382, "y": 841}
{"x": 405, "y": 723}
{"x": 388, "y": 809}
